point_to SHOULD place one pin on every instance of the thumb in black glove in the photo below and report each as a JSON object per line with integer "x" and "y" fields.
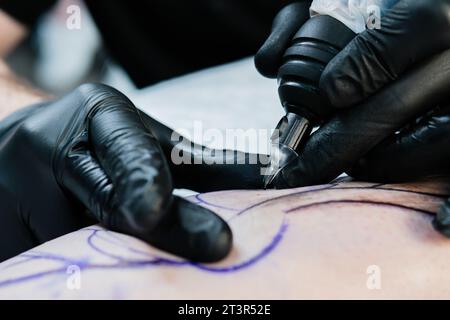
{"x": 90, "y": 151}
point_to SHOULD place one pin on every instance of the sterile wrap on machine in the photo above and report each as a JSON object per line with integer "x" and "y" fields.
{"x": 355, "y": 14}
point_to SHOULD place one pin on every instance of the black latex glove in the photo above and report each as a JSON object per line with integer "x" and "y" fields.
{"x": 382, "y": 84}
{"x": 231, "y": 169}
{"x": 89, "y": 157}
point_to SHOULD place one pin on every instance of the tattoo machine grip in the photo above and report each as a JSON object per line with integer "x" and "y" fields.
{"x": 317, "y": 42}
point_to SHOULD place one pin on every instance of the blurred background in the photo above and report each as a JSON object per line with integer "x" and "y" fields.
{"x": 231, "y": 96}
{"x": 57, "y": 59}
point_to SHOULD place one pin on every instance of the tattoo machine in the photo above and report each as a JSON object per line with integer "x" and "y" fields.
{"x": 333, "y": 24}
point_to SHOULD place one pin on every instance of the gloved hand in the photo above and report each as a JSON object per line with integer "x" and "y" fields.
{"x": 390, "y": 88}
{"x": 89, "y": 157}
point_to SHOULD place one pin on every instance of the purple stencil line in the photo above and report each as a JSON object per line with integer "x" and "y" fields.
{"x": 304, "y": 191}
{"x": 233, "y": 268}
{"x": 200, "y": 200}
{"x": 17, "y": 263}
{"x": 123, "y": 263}
{"x": 264, "y": 252}
{"x": 430, "y": 194}
{"x": 93, "y": 246}
{"x": 30, "y": 277}
{"x": 121, "y": 243}
{"x": 36, "y": 255}
{"x": 374, "y": 203}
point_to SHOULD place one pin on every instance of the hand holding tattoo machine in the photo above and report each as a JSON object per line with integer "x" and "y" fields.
{"x": 332, "y": 26}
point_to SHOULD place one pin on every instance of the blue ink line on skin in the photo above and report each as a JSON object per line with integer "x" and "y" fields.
{"x": 36, "y": 255}
{"x": 17, "y": 263}
{"x": 122, "y": 263}
{"x": 126, "y": 262}
{"x": 309, "y": 190}
{"x": 373, "y": 203}
{"x": 100, "y": 251}
{"x": 90, "y": 242}
{"x": 63, "y": 270}
{"x": 350, "y": 201}
{"x": 265, "y": 251}
{"x": 161, "y": 261}
{"x": 381, "y": 187}
{"x": 204, "y": 202}
{"x": 167, "y": 262}
{"x": 120, "y": 243}
{"x": 117, "y": 242}
{"x": 30, "y": 277}
{"x": 164, "y": 261}
{"x": 125, "y": 245}
{"x": 435, "y": 195}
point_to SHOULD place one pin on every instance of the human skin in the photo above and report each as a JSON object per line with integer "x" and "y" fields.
{"x": 11, "y": 33}
{"x": 324, "y": 251}
{"x": 15, "y": 93}
{"x": 343, "y": 240}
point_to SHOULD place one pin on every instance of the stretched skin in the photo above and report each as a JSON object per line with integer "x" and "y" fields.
{"x": 342, "y": 240}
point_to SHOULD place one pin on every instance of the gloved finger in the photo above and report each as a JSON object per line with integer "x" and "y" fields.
{"x": 420, "y": 150}
{"x": 286, "y": 24}
{"x": 411, "y": 31}
{"x": 192, "y": 232}
{"x": 186, "y": 230}
{"x": 352, "y": 133}
{"x": 85, "y": 179}
{"x": 131, "y": 158}
{"x": 191, "y": 164}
